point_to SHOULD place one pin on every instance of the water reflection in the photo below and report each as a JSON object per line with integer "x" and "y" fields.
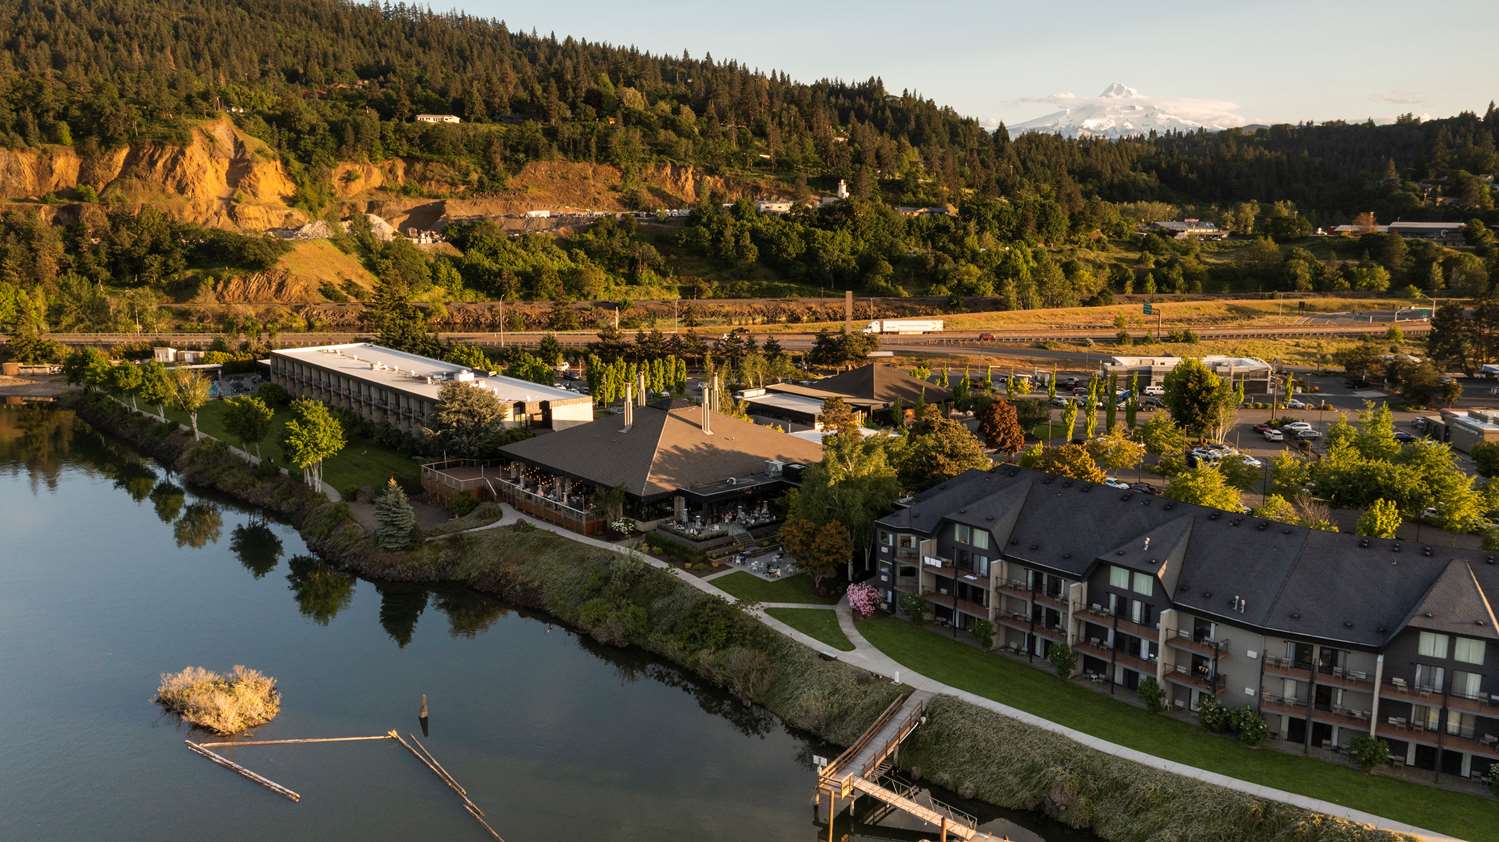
{"x": 256, "y": 547}
{"x": 199, "y": 525}
{"x": 322, "y": 591}
{"x": 401, "y": 605}
{"x": 38, "y": 439}
{"x": 168, "y": 498}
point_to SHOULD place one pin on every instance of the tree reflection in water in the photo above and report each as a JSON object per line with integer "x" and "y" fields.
{"x": 168, "y": 499}
{"x": 256, "y": 547}
{"x": 401, "y": 605}
{"x": 136, "y": 479}
{"x": 469, "y": 612}
{"x": 321, "y": 590}
{"x": 198, "y": 526}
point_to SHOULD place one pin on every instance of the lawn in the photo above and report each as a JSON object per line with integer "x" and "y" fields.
{"x": 1039, "y": 692}
{"x": 796, "y": 588}
{"x": 820, "y": 623}
{"x": 360, "y": 463}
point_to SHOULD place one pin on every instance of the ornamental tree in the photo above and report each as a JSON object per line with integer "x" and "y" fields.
{"x": 312, "y": 436}
{"x": 125, "y": 379}
{"x": 248, "y": 419}
{"x": 190, "y": 391}
{"x": 1204, "y": 486}
{"x": 1381, "y": 520}
{"x": 863, "y": 600}
{"x": 1072, "y": 460}
{"x": 999, "y": 427}
{"x": 1200, "y": 402}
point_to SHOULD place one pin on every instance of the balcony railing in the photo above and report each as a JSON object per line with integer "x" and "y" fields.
{"x": 1343, "y": 677}
{"x": 1398, "y": 689}
{"x": 1484, "y": 704}
{"x": 1293, "y": 668}
{"x": 1203, "y": 645}
{"x": 1188, "y": 677}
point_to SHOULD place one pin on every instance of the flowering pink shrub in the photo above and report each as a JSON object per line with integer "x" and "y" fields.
{"x": 863, "y": 599}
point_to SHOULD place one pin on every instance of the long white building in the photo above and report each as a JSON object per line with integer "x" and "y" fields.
{"x": 400, "y": 389}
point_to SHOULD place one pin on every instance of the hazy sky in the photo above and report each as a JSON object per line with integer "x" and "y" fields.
{"x": 1275, "y": 60}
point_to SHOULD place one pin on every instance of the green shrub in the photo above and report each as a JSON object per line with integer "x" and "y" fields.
{"x": 983, "y": 633}
{"x": 1494, "y": 779}
{"x": 708, "y": 626}
{"x": 1064, "y": 660}
{"x": 614, "y": 622}
{"x": 461, "y": 504}
{"x": 746, "y": 672}
{"x": 1151, "y": 694}
{"x": 1250, "y": 726}
{"x": 273, "y": 394}
{"x": 1214, "y": 716}
{"x": 1368, "y": 751}
{"x": 913, "y": 607}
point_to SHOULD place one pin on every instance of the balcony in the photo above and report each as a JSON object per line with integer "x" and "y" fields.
{"x": 1094, "y": 648}
{"x": 1056, "y": 602}
{"x": 1342, "y": 717}
{"x": 1399, "y": 690}
{"x": 1335, "y": 676}
{"x": 1204, "y": 646}
{"x": 1013, "y": 586}
{"x": 1198, "y": 680}
{"x": 1276, "y": 665}
{"x": 1056, "y": 634}
{"x": 1283, "y": 705}
{"x": 1483, "y": 704}
{"x": 1018, "y": 622}
{"x": 1476, "y": 742}
{"x": 963, "y": 605}
{"x": 1145, "y": 666}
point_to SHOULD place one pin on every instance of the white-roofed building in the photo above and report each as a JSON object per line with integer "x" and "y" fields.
{"x": 393, "y": 387}
{"x": 1255, "y": 373}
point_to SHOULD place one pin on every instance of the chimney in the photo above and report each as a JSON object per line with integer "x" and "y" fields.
{"x": 629, "y": 407}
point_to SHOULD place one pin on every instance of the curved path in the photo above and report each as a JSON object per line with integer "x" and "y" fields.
{"x": 866, "y": 656}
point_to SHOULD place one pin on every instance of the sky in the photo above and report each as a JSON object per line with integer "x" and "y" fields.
{"x": 1267, "y": 60}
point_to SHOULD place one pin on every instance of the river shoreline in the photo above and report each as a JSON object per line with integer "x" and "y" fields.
{"x": 977, "y": 753}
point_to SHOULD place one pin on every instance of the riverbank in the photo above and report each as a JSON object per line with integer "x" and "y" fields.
{"x": 628, "y": 603}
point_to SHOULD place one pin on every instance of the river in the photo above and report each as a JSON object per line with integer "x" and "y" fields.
{"x": 111, "y": 573}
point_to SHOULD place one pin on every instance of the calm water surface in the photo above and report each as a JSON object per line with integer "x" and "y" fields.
{"x": 110, "y": 574}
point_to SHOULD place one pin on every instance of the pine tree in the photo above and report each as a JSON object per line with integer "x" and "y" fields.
{"x": 395, "y": 520}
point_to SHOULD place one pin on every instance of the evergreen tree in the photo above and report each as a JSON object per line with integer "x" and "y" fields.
{"x": 394, "y": 518}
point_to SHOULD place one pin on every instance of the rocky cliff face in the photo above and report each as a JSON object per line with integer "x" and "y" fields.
{"x": 220, "y": 177}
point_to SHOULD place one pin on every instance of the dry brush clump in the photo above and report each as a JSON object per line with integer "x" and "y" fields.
{"x": 226, "y": 705}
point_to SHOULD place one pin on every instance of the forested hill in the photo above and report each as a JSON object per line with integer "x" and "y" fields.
{"x": 324, "y": 81}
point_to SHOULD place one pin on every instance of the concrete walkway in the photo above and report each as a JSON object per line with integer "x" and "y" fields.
{"x": 866, "y": 656}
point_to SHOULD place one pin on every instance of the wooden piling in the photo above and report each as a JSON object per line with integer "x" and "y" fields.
{"x": 230, "y": 764}
{"x": 421, "y": 712}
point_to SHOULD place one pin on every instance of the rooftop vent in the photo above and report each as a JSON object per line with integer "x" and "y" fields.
{"x": 1395, "y": 548}
{"x": 1285, "y": 530}
{"x": 989, "y": 518}
{"x": 1347, "y": 624}
{"x": 1296, "y": 615}
{"x": 1426, "y": 551}
{"x": 1214, "y": 515}
{"x": 1363, "y": 542}
{"x": 1035, "y": 546}
{"x": 1426, "y": 613}
{"x": 1169, "y": 506}
{"x": 1488, "y": 560}
{"x": 1145, "y": 500}
{"x": 963, "y": 511}
{"x": 1382, "y": 629}
{"x": 1119, "y": 552}
{"x": 1262, "y": 525}
{"x": 1235, "y": 521}
{"x": 1207, "y": 594}
{"x": 1066, "y": 555}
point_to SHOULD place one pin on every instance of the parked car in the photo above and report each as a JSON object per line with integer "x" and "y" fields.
{"x": 1293, "y": 403}
{"x": 986, "y": 337}
{"x": 1063, "y": 400}
{"x": 1153, "y": 403}
{"x": 1115, "y": 482}
{"x": 1295, "y": 426}
{"x": 1308, "y": 435}
{"x": 1144, "y": 488}
{"x": 1261, "y": 428}
{"x": 1272, "y": 434}
{"x": 1403, "y": 437}
{"x": 1154, "y": 389}
{"x": 1250, "y": 461}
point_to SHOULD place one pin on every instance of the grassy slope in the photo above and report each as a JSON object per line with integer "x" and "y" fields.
{"x": 315, "y": 261}
{"x": 1086, "y": 710}
{"x": 361, "y": 463}
{"x": 796, "y": 588}
{"x": 819, "y": 623}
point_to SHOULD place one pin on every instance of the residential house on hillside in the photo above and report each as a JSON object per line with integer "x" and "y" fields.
{"x": 1328, "y": 636}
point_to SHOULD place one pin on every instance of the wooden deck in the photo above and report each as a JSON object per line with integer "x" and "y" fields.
{"x": 862, "y": 769}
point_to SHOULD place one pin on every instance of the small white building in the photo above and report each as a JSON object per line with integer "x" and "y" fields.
{"x": 1255, "y": 373}
{"x": 1182, "y": 229}
{"x": 438, "y": 118}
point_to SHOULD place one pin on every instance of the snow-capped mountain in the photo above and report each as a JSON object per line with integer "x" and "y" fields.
{"x": 1121, "y": 111}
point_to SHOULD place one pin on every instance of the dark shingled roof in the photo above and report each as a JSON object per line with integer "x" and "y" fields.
{"x": 663, "y": 451}
{"x": 1245, "y": 570}
{"x": 873, "y": 383}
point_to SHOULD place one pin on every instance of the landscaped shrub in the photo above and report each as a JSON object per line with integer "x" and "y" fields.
{"x": 983, "y": 633}
{"x": 1494, "y": 778}
{"x": 1064, "y": 660}
{"x": 1368, "y": 751}
{"x": 1214, "y": 717}
{"x": 863, "y": 600}
{"x": 1151, "y": 694}
{"x": 245, "y": 699}
{"x": 273, "y": 394}
{"x": 1250, "y": 726}
{"x": 913, "y": 606}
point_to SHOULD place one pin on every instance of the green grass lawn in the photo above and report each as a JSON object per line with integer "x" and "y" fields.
{"x": 360, "y": 463}
{"x": 796, "y": 588}
{"x": 1039, "y": 692}
{"x": 821, "y": 623}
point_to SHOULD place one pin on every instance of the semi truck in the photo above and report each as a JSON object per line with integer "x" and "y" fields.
{"x": 904, "y": 326}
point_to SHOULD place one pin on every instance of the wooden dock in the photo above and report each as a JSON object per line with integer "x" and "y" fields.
{"x": 862, "y": 769}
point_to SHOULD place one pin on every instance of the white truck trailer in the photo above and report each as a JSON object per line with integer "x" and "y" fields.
{"x": 904, "y": 326}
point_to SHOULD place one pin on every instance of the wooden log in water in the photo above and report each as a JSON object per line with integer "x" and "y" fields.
{"x": 453, "y": 785}
{"x": 302, "y": 741}
{"x": 230, "y": 764}
{"x": 482, "y": 823}
{"x": 428, "y": 752}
